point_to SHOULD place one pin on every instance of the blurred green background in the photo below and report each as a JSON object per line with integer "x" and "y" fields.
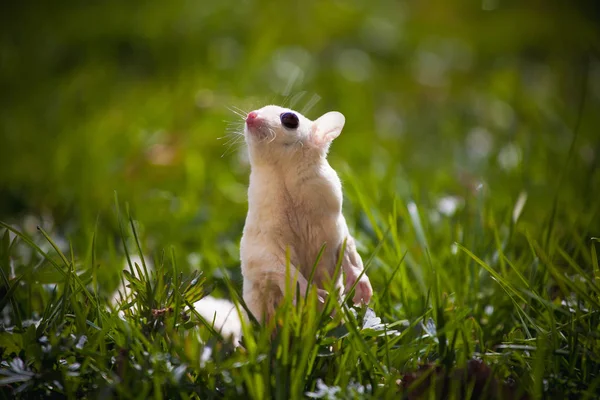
{"x": 446, "y": 102}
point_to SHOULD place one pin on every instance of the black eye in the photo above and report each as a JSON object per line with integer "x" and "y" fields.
{"x": 289, "y": 120}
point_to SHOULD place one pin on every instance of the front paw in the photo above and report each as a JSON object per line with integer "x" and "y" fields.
{"x": 322, "y": 295}
{"x": 363, "y": 291}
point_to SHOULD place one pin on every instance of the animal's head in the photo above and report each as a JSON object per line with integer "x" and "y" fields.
{"x": 275, "y": 134}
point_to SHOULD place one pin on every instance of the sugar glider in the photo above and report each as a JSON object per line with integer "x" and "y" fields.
{"x": 295, "y": 206}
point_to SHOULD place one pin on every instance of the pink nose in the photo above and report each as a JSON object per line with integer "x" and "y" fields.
{"x": 251, "y": 118}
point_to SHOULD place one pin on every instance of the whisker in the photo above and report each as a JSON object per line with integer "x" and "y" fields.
{"x": 272, "y": 133}
{"x": 296, "y": 98}
{"x": 232, "y": 147}
{"x": 231, "y": 140}
{"x": 284, "y": 102}
{"x": 234, "y": 127}
{"x": 235, "y": 109}
{"x": 233, "y": 122}
{"x": 231, "y": 134}
{"x": 240, "y": 113}
{"x": 294, "y": 77}
{"x": 240, "y": 109}
{"x": 235, "y": 130}
{"x": 311, "y": 103}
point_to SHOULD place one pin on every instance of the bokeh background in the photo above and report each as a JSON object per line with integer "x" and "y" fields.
{"x": 447, "y": 103}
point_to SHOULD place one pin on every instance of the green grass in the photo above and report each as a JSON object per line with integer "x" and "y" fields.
{"x": 472, "y": 287}
{"x": 469, "y": 163}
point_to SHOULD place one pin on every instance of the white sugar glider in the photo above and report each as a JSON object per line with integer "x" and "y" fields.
{"x": 295, "y": 203}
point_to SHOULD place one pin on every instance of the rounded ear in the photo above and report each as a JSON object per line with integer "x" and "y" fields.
{"x": 328, "y": 127}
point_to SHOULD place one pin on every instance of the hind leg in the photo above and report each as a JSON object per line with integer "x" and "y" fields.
{"x": 265, "y": 282}
{"x": 260, "y": 299}
{"x": 353, "y": 267}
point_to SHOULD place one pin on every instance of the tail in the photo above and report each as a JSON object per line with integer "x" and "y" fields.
{"x": 221, "y": 313}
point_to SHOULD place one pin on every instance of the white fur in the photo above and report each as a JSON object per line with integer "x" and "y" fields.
{"x": 295, "y": 203}
{"x": 224, "y": 315}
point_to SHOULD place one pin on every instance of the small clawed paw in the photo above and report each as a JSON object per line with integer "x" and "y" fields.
{"x": 363, "y": 291}
{"x": 322, "y": 295}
